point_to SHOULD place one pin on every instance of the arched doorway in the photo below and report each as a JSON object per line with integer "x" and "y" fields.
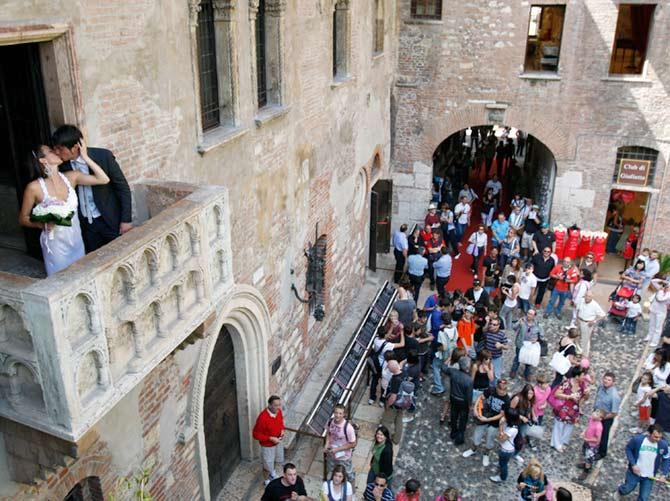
{"x": 243, "y": 324}
{"x": 220, "y": 414}
{"x": 526, "y": 167}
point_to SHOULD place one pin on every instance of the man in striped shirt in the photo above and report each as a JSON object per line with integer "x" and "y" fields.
{"x": 496, "y": 342}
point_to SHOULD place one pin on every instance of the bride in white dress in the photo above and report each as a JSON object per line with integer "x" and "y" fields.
{"x": 65, "y": 245}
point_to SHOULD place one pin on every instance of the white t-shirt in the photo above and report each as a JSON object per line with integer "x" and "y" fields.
{"x": 660, "y": 303}
{"x": 479, "y": 239}
{"x": 526, "y": 284}
{"x": 589, "y": 311}
{"x": 647, "y": 458}
{"x": 634, "y": 309}
{"x": 661, "y": 375}
{"x": 336, "y": 497}
{"x": 641, "y": 391}
{"x": 511, "y": 432}
{"x": 463, "y": 210}
{"x": 495, "y": 186}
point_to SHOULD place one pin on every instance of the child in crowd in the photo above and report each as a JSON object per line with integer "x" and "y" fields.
{"x": 643, "y": 401}
{"x": 449, "y": 494}
{"x": 591, "y": 436}
{"x": 629, "y": 324}
{"x": 542, "y": 391}
{"x": 509, "y": 429}
{"x": 411, "y": 491}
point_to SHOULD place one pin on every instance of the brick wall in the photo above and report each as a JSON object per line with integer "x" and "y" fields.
{"x": 448, "y": 70}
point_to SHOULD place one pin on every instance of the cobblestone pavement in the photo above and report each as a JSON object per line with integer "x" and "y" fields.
{"x": 428, "y": 455}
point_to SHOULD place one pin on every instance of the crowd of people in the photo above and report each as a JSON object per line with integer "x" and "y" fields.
{"x": 454, "y": 346}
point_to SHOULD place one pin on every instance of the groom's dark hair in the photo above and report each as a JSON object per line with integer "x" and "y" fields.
{"x": 66, "y": 135}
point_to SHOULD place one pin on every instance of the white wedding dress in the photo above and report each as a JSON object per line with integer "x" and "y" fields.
{"x": 66, "y": 244}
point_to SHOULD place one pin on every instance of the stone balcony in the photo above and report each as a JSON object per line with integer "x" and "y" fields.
{"x": 72, "y": 345}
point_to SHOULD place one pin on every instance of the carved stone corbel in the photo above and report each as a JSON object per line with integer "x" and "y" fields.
{"x": 224, "y": 10}
{"x": 194, "y": 9}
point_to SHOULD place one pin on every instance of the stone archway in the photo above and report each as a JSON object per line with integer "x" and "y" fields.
{"x": 244, "y": 315}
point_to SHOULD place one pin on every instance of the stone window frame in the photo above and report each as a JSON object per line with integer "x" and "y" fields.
{"x": 643, "y": 73}
{"x": 275, "y": 25}
{"x": 544, "y": 74}
{"x": 341, "y": 26}
{"x": 225, "y": 26}
{"x": 60, "y": 70}
{"x": 437, "y": 4}
{"x": 378, "y": 27}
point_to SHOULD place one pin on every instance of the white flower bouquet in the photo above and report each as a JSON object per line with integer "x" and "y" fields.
{"x": 52, "y": 212}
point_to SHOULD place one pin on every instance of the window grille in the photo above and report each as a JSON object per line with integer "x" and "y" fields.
{"x": 261, "y": 71}
{"x": 636, "y": 153}
{"x": 316, "y": 273}
{"x": 426, "y": 9}
{"x": 209, "y": 81}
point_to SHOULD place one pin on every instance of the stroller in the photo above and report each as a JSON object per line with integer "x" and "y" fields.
{"x": 619, "y": 301}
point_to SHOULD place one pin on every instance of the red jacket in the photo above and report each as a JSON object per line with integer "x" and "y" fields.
{"x": 267, "y": 426}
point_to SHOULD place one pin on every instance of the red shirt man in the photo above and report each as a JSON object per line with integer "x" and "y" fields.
{"x": 269, "y": 431}
{"x": 565, "y": 275}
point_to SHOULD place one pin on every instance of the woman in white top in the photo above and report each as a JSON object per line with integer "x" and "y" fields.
{"x": 658, "y": 310}
{"x": 337, "y": 488}
{"x": 61, "y": 245}
{"x": 462, "y": 212}
{"x": 477, "y": 246}
{"x": 582, "y": 287}
{"x": 511, "y": 292}
{"x": 508, "y": 430}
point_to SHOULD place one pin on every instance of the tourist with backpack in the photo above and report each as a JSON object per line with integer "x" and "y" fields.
{"x": 399, "y": 398}
{"x": 380, "y": 346}
{"x": 340, "y": 442}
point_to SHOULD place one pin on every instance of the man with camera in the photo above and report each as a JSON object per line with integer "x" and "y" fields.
{"x": 565, "y": 275}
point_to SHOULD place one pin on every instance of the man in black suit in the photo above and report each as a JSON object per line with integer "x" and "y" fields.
{"x": 105, "y": 211}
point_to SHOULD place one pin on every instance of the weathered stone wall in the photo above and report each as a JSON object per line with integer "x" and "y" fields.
{"x": 448, "y": 70}
{"x": 309, "y": 165}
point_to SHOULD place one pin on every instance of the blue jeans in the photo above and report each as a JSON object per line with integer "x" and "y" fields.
{"x": 460, "y": 230}
{"x": 561, "y": 296}
{"x": 503, "y": 461}
{"x": 497, "y": 368}
{"x": 632, "y": 480}
{"x": 629, "y": 325}
{"x": 524, "y": 304}
{"x": 438, "y": 387}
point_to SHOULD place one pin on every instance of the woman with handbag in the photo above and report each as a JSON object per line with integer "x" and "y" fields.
{"x": 568, "y": 349}
{"x": 523, "y": 402}
{"x": 509, "y": 248}
{"x": 566, "y": 403}
{"x": 477, "y": 247}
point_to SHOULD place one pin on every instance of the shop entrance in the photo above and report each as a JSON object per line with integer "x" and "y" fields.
{"x": 380, "y": 220}
{"x": 220, "y": 414}
{"x": 626, "y": 211}
{"x": 24, "y": 122}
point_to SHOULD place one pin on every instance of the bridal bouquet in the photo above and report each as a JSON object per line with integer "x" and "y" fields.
{"x": 52, "y": 211}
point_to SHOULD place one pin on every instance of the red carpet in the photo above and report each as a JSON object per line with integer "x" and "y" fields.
{"x": 461, "y": 276}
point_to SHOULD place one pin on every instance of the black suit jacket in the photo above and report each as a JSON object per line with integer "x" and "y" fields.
{"x": 483, "y": 299}
{"x": 113, "y": 200}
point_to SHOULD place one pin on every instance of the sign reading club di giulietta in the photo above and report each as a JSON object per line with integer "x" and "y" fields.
{"x": 635, "y": 172}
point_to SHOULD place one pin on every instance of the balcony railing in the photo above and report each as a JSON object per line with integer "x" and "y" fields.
{"x": 74, "y": 344}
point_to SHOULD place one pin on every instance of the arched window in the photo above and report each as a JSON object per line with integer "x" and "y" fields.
{"x": 88, "y": 489}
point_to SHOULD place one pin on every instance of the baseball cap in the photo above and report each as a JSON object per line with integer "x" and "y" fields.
{"x": 534, "y": 206}
{"x": 432, "y": 206}
{"x": 470, "y": 308}
{"x": 545, "y": 225}
{"x": 476, "y": 282}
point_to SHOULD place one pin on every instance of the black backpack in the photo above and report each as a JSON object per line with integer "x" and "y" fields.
{"x": 373, "y": 359}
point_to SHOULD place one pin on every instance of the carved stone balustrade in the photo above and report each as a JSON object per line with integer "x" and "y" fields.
{"x": 72, "y": 345}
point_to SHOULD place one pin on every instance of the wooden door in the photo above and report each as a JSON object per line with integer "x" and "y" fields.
{"x": 372, "y": 257}
{"x": 221, "y": 424}
{"x": 384, "y": 190}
